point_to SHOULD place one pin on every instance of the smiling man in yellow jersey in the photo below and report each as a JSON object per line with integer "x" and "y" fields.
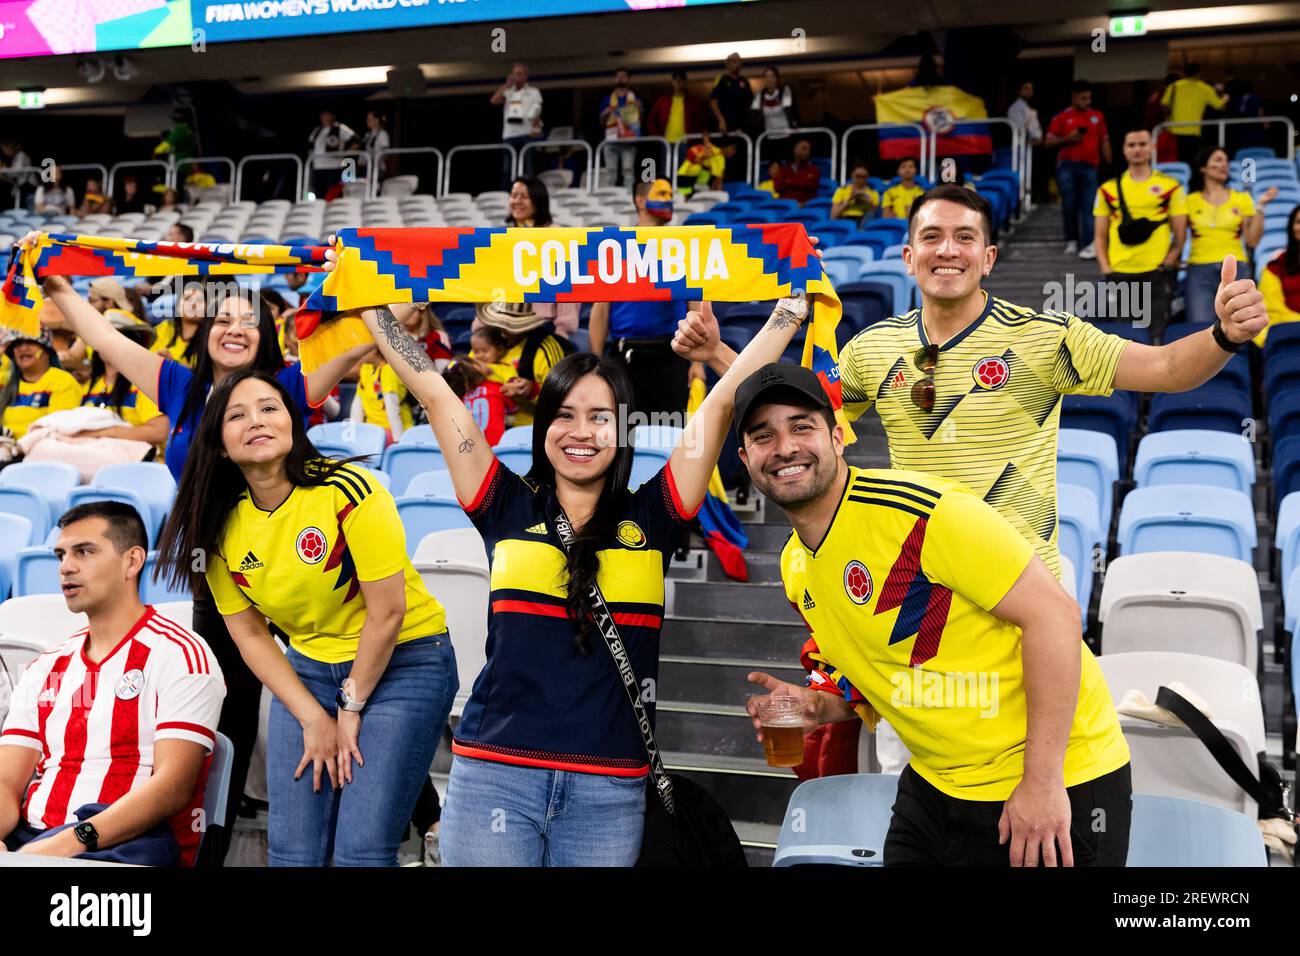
{"x": 927, "y": 608}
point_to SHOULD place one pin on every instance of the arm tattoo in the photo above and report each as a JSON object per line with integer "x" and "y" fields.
{"x": 466, "y": 444}
{"x": 401, "y": 341}
{"x": 783, "y": 316}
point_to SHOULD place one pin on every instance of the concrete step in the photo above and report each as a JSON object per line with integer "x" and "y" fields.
{"x": 732, "y": 600}
{"x": 764, "y": 567}
{"x": 747, "y": 788}
{"x": 696, "y": 637}
{"x": 766, "y": 537}
{"x": 709, "y": 730}
{"x": 720, "y": 680}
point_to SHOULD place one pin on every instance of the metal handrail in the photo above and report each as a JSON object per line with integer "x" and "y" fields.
{"x": 404, "y": 151}
{"x": 312, "y": 159}
{"x": 39, "y": 170}
{"x": 1017, "y": 136}
{"x": 784, "y": 133}
{"x": 263, "y": 157}
{"x": 543, "y": 143}
{"x": 136, "y": 164}
{"x": 474, "y": 147}
{"x": 844, "y": 142}
{"x": 739, "y": 133}
{"x": 1223, "y": 123}
{"x": 594, "y": 178}
{"x": 199, "y": 160}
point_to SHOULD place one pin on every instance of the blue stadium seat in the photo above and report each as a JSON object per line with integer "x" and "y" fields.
{"x": 1286, "y": 467}
{"x": 36, "y": 571}
{"x": 362, "y": 437}
{"x": 1212, "y": 407}
{"x": 1078, "y": 536}
{"x": 1195, "y": 518}
{"x": 751, "y": 316}
{"x": 518, "y": 460}
{"x": 902, "y": 285}
{"x": 1125, "y": 330}
{"x": 161, "y": 591}
{"x": 832, "y": 232}
{"x": 1254, "y": 152}
{"x": 1287, "y": 536}
{"x": 737, "y": 337}
{"x": 840, "y": 820}
{"x": 646, "y": 463}
{"x": 51, "y": 480}
{"x": 659, "y": 438}
{"x": 1281, "y": 368}
{"x": 876, "y": 242}
{"x": 840, "y": 271}
{"x": 1180, "y": 171}
{"x": 858, "y": 255}
{"x": 1090, "y": 460}
{"x": 820, "y": 205}
{"x": 432, "y": 484}
{"x": 1291, "y": 606}
{"x": 1284, "y": 414}
{"x": 1195, "y": 457}
{"x": 27, "y": 504}
{"x": 895, "y": 229}
{"x": 520, "y": 436}
{"x": 126, "y": 496}
{"x": 421, "y": 516}
{"x": 15, "y": 534}
{"x": 707, "y": 219}
{"x": 419, "y": 435}
{"x": 892, "y": 252}
{"x": 152, "y": 481}
{"x": 1171, "y": 831}
{"x": 403, "y": 462}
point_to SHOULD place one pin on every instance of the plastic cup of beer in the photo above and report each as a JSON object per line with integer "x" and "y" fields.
{"x": 781, "y": 720}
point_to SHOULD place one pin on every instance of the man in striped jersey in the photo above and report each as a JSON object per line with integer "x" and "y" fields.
{"x": 106, "y": 747}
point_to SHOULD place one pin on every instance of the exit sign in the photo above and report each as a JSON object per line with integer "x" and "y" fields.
{"x": 31, "y": 99}
{"x": 1132, "y": 26}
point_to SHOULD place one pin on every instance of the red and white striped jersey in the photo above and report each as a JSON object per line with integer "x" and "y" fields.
{"x": 95, "y": 724}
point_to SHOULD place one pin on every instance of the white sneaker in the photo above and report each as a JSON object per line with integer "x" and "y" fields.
{"x": 1088, "y": 252}
{"x": 1071, "y": 247}
{"x": 432, "y": 851}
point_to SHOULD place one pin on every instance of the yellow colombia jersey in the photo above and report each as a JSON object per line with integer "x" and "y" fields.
{"x": 169, "y": 338}
{"x": 54, "y": 391}
{"x": 898, "y": 199}
{"x": 858, "y": 207}
{"x": 372, "y": 384}
{"x": 1216, "y": 230}
{"x": 1157, "y": 197}
{"x": 136, "y": 408}
{"x": 897, "y": 599}
{"x": 997, "y": 404}
{"x": 546, "y": 357}
{"x": 303, "y": 563}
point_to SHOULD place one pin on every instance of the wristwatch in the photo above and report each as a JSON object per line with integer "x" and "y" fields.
{"x": 1223, "y": 341}
{"x": 346, "y": 701}
{"x": 88, "y": 835}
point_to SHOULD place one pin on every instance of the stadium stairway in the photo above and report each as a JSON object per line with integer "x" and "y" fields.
{"x": 1034, "y": 256}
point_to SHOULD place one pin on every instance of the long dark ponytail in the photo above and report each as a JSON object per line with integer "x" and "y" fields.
{"x": 211, "y": 484}
{"x": 611, "y": 507}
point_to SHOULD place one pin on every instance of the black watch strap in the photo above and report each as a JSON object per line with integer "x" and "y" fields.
{"x": 87, "y": 834}
{"x": 1223, "y": 341}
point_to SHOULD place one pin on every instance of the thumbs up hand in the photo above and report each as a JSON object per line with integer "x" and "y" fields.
{"x": 1239, "y": 305}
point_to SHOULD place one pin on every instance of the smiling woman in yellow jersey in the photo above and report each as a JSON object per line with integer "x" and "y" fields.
{"x": 36, "y": 384}
{"x": 1223, "y": 222}
{"x": 317, "y": 548}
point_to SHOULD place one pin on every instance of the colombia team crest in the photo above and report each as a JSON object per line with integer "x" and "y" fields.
{"x": 857, "y": 582}
{"x": 630, "y": 534}
{"x": 991, "y": 372}
{"x": 311, "y": 545}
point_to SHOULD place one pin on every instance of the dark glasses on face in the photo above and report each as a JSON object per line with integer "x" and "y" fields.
{"x": 926, "y": 359}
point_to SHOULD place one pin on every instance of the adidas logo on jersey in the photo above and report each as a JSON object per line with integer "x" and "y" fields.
{"x": 539, "y": 528}
{"x": 808, "y": 602}
{"x": 898, "y": 381}
{"x": 250, "y": 563}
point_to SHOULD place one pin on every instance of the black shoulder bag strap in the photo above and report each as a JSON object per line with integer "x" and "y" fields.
{"x": 1224, "y": 754}
{"x": 609, "y": 631}
{"x": 1125, "y": 216}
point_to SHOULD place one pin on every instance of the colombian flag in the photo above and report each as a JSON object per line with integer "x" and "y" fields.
{"x": 935, "y": 108}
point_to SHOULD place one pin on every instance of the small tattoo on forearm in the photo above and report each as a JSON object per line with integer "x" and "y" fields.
{"x": 466, "y": 444}
{"x": 784, "y": 319}
{"x": 401, "y": 341}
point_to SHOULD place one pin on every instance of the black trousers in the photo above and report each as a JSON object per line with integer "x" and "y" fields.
{"x": 238, "y": 721}
{"x": 930, "y": 828}
{"x": 659, "y": 375}
{"x": 1148, "y": 296}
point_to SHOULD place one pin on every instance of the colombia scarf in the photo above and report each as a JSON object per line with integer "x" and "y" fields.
{"x": 605, "y": 264}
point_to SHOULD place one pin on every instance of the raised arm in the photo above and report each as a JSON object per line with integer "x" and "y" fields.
{"x": 322, "y": 381}
{"x": 467, "y": 452}
{"x": 697, "y": 451}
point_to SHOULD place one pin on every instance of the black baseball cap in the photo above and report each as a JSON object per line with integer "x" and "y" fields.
{"x": 778, "y": 381}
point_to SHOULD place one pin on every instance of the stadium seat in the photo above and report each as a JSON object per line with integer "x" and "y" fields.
{"x": 182, "y": 612}
{"x": 418, "y": 435}
{"x": 52, "y": 480}
{"x": 422, "y": 516}
{"x": 27, "y": 504}
{"x": 1169, "y": 831}
{"x": 1188, "y": 518}
{"x": 873, "y": 241}
{"x": 36, "y": 571}
{"x": 903, "y": 287}
{"x": 646, "y": 463}
{"x": 831, "y": 232}
{"x": 1078, "y": 536}
{"x": 16, "y": 652}
{"x": 454, "y": 567}
{"x": 520, "y": 436}
{"x": 751, "y": 316}
{"x": 432, "y": 484}
{"x": 840, "y": 271}
{"x": 1283, "y": 414}
{"x": 362, "y": 437}
{"x": 1182, "y": 602}
{"x": 1287, "y": 537}
{"x": 840, "y": 820}
{"x": 43, "y": 617}
{"x": 1281, "y": 374}
{"x": 151, "y": 480}
{"x": 15, "y": 534}
{"x": 1125, "y": 330}
{"x": 1195, "y": 457}
{"x": 1212, "y": 407}
{"x": 402, "y": 462}
{"x": 161, "y": 591}
{"x": 216, "y": 791}
{"x": 1090, "y": 460}
{"x": 1172, "y": 761}
{"x": 518, "y": 460}
{"x": 659, "y": 438}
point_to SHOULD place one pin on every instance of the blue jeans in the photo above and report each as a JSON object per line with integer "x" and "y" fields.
{"x": 1078, "y": 185}
{"x": 498, "y": 814}
{"x": 361, "y": 824}
{"x": 1201, "y": 287}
